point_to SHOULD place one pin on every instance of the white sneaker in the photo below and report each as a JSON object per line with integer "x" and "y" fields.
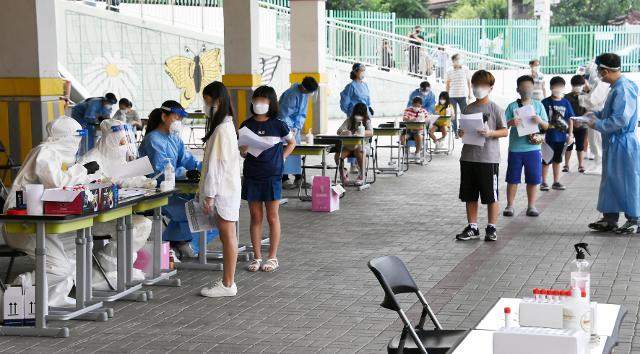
{"x": 439, "y": 145}
{"x": 219, "y": 290}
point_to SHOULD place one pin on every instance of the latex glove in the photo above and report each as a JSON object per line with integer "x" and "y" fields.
{"x": 181, "y": 173}
{"x": 371, "y": 110}
{"x": 91, "y": 167}
{"x": 193, "y": 175}
{"x": 208, "y": 205}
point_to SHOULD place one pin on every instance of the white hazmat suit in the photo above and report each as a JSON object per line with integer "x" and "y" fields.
{"x": 111, "y": 153}
{"x": 52, "y": 164}
{"x": 594, "y": 102}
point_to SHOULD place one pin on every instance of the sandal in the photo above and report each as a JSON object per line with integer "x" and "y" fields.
{"x": 255, "y": 265}
{"x": 565, "y": 169}
{"x": 270, "y": 265}
{"x": 581, "y": 169}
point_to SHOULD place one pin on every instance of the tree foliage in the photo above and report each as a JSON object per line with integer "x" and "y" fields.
{"x": 590, "y": 12}
{"x": 486, "y": 9}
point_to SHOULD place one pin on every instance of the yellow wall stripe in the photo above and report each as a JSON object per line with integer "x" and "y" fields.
{"x": 4, "y": 137}
{"x": 60, "y": 108}
{"x": 297, "y": 77}
{"x": 31, "y": 86}
{"x": 50, "y": 111}
{"x": 241, "y": 80}
{"x": 308, "y": 123}
{"x": 24, "y": 119}
{"x": 242, "y": 106}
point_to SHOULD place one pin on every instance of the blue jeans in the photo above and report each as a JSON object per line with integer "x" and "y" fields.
{"x": 455, "y": 102}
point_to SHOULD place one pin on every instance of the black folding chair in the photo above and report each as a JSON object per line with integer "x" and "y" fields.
{"x": 395, "y": 279}
{"x": 10, "y": 167}
{"x": 6, "y": 251}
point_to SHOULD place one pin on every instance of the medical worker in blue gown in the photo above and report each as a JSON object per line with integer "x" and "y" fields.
{"x": 294, "y": 103}
{"x": 617, "y": 122}
{"x": 356, "y": 91}
{"x": 89, "y": 113}
{"x": 162, "y": 143}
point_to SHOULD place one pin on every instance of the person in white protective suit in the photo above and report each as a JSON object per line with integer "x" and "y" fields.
{"x": 112, "y": 152}
{"x": 593, "y": 100}
{"x": 53, "y": 164}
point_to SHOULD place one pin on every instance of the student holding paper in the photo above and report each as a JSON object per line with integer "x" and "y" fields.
{"x": 479, "y": 164}
{"x": 524, "y": 152}
{"x": 560, "y": 132}
{"x": 359, "y": 116}
{"x": 263, "y": 174}
{"x": 219, "y": 192}
{"x": 579, "y": 130}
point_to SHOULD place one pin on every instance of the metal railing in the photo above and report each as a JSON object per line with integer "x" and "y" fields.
{"x": 347, "y": 42}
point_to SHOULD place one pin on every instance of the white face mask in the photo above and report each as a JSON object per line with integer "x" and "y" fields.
{"x": 362, "y": 75}
{"x": 425, "y": 91}
{"x": 175, "y": 127}
{"x": 557, "y": 92}
{"x": 123, "y": 112}
{"x": 442, "y": 102}
{"x": 260, "y": 108}
{"x": 577, "y": 89}
{"x": 415, "y": 109}
{"x": 480, "y": 92}
{"x": 108, "y": 107}
{"x": 358, "y": 118}
{"x": 206, "y": 109}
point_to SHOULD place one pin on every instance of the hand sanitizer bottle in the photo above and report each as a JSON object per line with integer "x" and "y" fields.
{"x": 580, "y": 276}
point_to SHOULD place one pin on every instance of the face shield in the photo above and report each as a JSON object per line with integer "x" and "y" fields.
{"x": 122, "y": 139}
{"x": 82, "y": 135}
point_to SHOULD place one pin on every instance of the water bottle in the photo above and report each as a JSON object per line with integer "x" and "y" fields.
{"x": 361, "y": 129}
{"x": 396, "y": 123}
{"x": 309, "y": 137}
{"x": 580, "y": 276}
{"x": 170, "y": 174}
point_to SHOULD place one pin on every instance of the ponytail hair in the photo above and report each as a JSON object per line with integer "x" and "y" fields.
{"x": 155, "y": 117}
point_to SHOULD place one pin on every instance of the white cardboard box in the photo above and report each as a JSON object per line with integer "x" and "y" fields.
{"x": 530, "y": 340}
{"x": 13, "y": 306}
{"x": 533, "y": 314}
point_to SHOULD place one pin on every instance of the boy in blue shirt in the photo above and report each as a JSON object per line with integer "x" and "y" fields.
{"x": 559, "y": 135}
{"x": 523, "y": 153}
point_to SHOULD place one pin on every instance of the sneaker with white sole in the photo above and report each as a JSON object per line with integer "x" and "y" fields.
{"x": 558, "y": 186}
{"x": 628, "y": 228}
{"x": 544, "y": 187}
{"x": 186, "y": 251}
{"x": 219, "y": 290}
{"x": 508, "y": 211}
{"x": 469, "y": 233}
{"x": 603, "y": 225}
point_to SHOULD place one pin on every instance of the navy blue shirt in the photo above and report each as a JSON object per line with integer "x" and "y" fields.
{"x": 269, "y": 163}
{"x": 563, "y": 106}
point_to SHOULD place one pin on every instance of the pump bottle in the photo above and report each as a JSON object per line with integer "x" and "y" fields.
{"x": 580, "y": 276}
{"x": 170, "y": 174}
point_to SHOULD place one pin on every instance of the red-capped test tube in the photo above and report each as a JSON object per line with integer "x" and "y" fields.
{"x": 536, "y": 295}
{"x": 507, "y": 317}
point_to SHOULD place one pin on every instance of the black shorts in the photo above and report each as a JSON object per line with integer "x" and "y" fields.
{"x": 579, "y": 136}
{"x": 479, "y": 179}
{"x": 558, "y": 149}
{"x": 411, "y": 134}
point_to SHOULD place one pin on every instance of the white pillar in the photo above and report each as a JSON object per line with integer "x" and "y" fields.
{"x": 241, "y": 46}
{"x": 30, "y": 87}
{"x": 308, "y": 55}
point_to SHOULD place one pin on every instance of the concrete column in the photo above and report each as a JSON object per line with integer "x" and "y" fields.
{"x": 30, "y": 87}
{"x": 241, "y": 74}
{"x": 308, "y": 56}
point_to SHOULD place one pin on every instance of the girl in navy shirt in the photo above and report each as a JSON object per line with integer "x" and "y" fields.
{"x": 263, "y": 174}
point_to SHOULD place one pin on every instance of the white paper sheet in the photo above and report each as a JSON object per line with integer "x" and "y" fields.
{"x": 198, "y": 220}
{"x": 547, "y": 152}
{"x": 528, "y": 126}
{"x": 125, "y": 193}
{"x": 135, "y": 168}
{"x": 256, "y": 144}
{"x": 470, "y": 124}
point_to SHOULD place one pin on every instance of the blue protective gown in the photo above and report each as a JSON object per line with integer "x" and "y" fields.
{"x": 355, "y": 92}
{"x": 87, "y": 113}
{"x": 293, "y": 111}
{"x": 159, "y": 147}
{"x": 620, "y": 183}
{"x": 428, "y": 100}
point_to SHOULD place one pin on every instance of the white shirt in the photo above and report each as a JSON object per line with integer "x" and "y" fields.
{"x": 458, "y": 81}
{"x": 221, "y": 171}
{"x": 497, "y": 45}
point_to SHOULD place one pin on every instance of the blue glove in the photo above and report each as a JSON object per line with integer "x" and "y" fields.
{"x": 181, "y": 173}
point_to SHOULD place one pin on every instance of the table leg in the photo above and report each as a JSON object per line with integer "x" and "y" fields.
{"x": 81, "y": 270}
{"x": 128, "y": 220}
{"x": 202, "y": 263}
{"x": 121, "y": 255}
{"x": 42, "y": 294}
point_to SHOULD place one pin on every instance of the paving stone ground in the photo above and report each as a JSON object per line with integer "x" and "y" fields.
{"x": 324, "y": 299}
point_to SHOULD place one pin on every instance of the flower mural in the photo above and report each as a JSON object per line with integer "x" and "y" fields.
{"x": 111, "y": 73}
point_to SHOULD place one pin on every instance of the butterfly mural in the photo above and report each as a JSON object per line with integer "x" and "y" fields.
{"x": 191, "y": 75}
{"x": 268, "y": 68}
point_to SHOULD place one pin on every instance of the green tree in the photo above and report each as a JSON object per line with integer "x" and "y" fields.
{"x": 407, "y": 8}
{"x": 357, "y": 5}
{"x": 590, "y": 12}
{"x": 486, "y": 9}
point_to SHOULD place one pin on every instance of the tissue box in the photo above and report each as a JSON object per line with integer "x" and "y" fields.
{"x": 324, "y": 197}
{"x": 71, "y": 201}
{"x": 531, "y": 340}
{"x": 533, "y": 314}
{"x": 108, "y": 195}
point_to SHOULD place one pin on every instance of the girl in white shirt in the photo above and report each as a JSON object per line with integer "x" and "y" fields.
{"x": 220, "y": 185}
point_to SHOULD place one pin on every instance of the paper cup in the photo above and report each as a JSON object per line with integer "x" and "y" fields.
{"x": 33, "y": 197}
